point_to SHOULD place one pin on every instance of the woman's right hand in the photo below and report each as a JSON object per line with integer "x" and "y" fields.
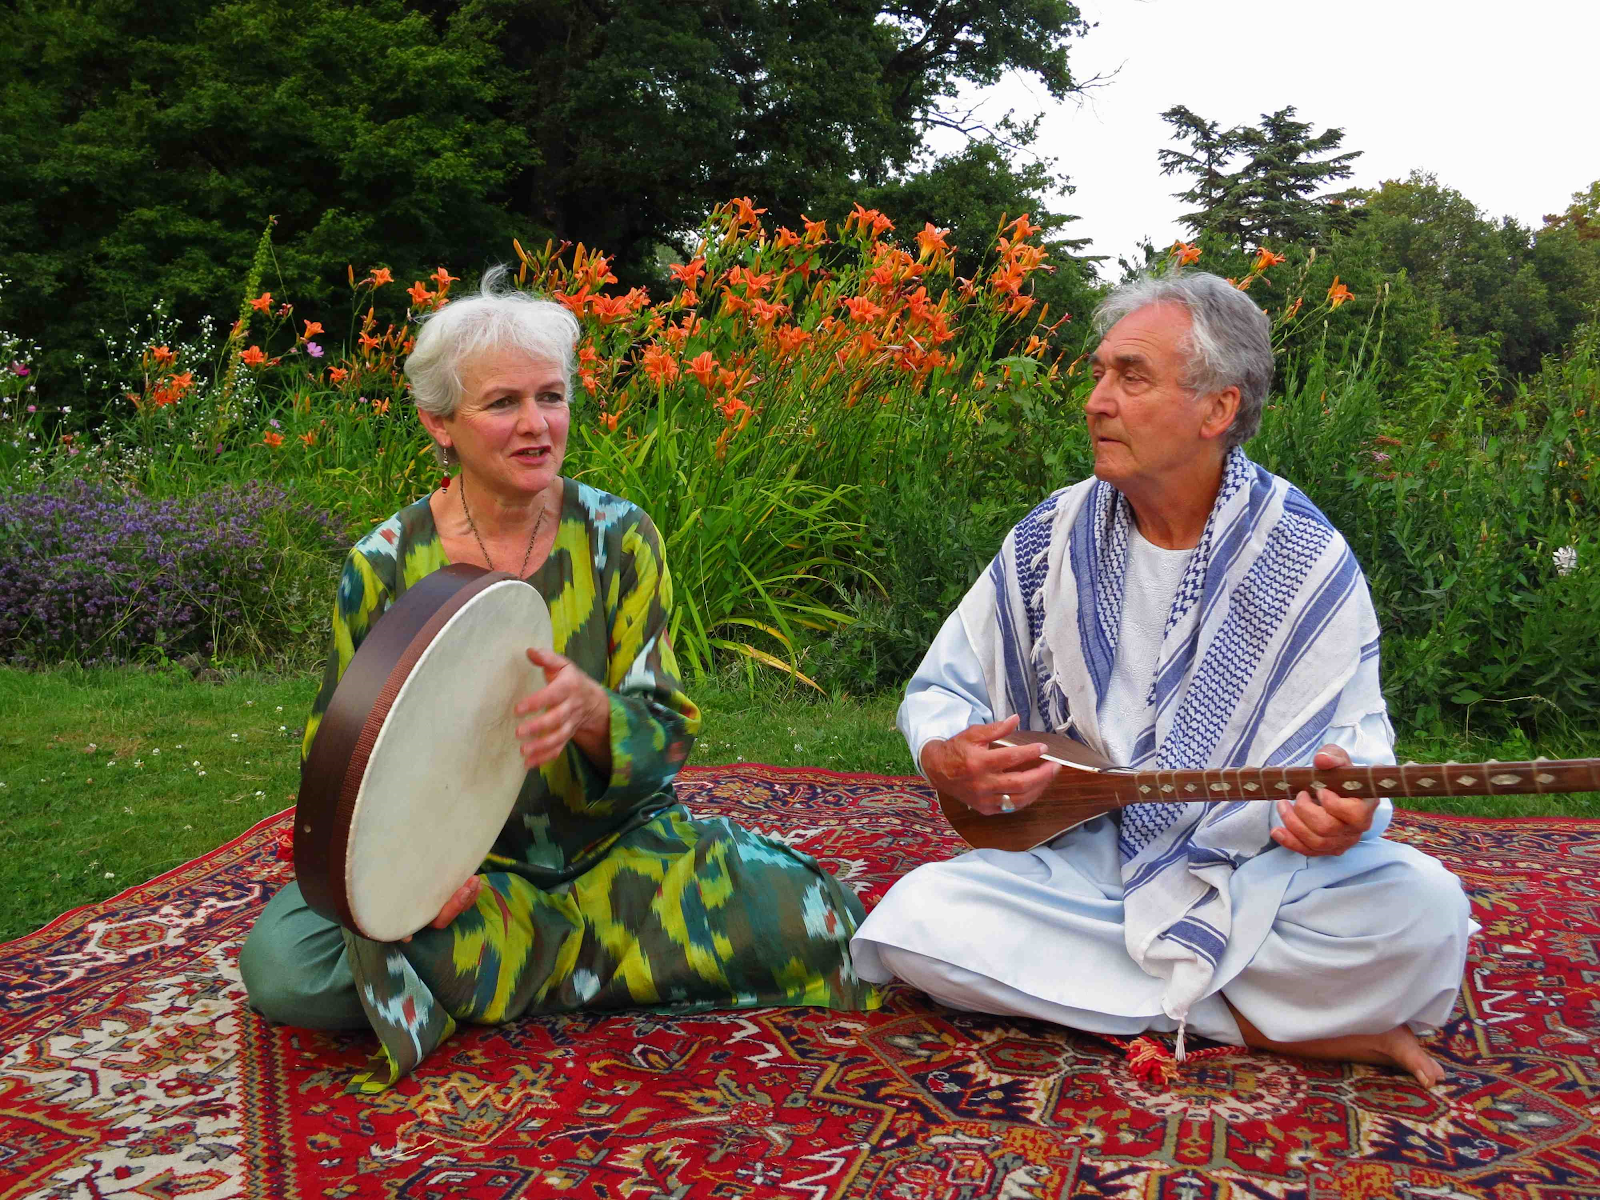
{"x": 464, "y": 898}
{"x": 988, "y": 778}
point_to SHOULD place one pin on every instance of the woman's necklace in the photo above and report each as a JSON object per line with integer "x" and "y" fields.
{"x": 472, "y": 525}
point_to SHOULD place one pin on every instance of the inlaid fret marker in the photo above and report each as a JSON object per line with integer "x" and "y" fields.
{"x": 1386, "y": 783}
{"x": 1505, "y": 780}
{"x": 1466, "y": 780}
{"x": 1427, "y": 781}
{"x": 1352, "y": 785}
{"x": 1219, "y": 787}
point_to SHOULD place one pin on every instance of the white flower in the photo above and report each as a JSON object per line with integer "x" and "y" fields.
{"x": 233, "y": 737}
{"x": 1566, "y": 559}
{"x": 249, "y": 703}
{"x": 188, "y": 826}
{"x": 259, "y": 795}
{"x": 278, "y": 709}
{"x": 2, "y": 785}
{"x": 195, "y": 763}
{"x": 179, "y": 746}
{"x": 127, "y": 810}
{"x": 200, "y": 774}
{"x": 138, "y": 762}
{"x": 109, "y": 875}
{"x": 92, "y": 747}
{"x": 112, "y": 763}
{"x": 157, "y": 750}
{"x": 66, "y": 408}
{"x": 283, "y": 729}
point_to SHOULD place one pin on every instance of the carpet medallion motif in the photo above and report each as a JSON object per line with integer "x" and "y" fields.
{"x": 129, "y": 1066}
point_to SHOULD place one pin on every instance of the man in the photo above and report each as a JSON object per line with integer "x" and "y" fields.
{"x": 1183, "y": 608}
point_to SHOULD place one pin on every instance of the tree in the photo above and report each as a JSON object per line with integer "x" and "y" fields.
{"x": 970, "y": 193}
{"x": 1483, "y": 277}
{"x": 142, "y": 149}
{"x": 1259, "y": 184}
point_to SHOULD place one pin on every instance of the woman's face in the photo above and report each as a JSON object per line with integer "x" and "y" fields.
{"x": 510, "y": 428}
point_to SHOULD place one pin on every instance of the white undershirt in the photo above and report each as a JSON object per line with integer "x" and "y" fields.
{"x": 1150, "y": 584}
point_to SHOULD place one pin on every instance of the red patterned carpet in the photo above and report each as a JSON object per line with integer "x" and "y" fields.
{"x": 130, "y": 1067}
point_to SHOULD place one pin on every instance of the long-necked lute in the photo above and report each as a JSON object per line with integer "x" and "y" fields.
{"x": 1089, "y": 787}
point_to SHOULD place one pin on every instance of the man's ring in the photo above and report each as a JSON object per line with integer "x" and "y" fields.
{"x": 1005, "y": 803}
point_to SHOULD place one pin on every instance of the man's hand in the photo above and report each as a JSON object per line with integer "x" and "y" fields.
{"x": 989, "y": 780}
{"x": 570, "y": 706}
{"x": 1330, "y": 823}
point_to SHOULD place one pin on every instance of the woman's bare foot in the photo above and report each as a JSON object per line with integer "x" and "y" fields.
{"x": 1398, "y": 1048}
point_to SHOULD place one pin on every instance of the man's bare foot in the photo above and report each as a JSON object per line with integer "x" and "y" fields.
{"x": 1398, "y": 1048}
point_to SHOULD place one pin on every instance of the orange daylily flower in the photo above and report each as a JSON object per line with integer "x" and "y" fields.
{"x": 272, "y": 439}
{"x": 1266, "y": 258}
{"x": 162, "y": 355}
{"x": 1338, "y": 293}
{"x": 310, "y": 438}
{"x": 1185, "y": 252}
{"x": 704, "y": 368}
{"x": 732, "y": 408}
{"x": 337, "y": 374}
{"x": 1289, "y": 312}
{"x": 419, "y": 293}
{"x": 931, "y": 243}
{"x": 861, "y": 309}
{"x": 870, "y": 221}
{"x": 444, "y": 279}
{"x": 816, "y": 231}
{"x": 1020, "y": 229}
{"x": 368, "y": 342}
{"x": 785, "y": 239}
{"x": 659, "y": 365}
{"x": 744, "y": 213}
{"x": 262, "y": 303}
{"x": 312, "y": 329}
{"x": 252, "y": 357}
{"x": 790, "y": 338}
{"x": 689, "y": 273}
{"x": 380, "y": 276}
{"x": 609, "y": 420}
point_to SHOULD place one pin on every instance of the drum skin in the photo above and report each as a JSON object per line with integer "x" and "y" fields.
{"x": 386, "y": 875}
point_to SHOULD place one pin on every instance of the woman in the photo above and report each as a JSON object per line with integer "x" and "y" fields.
{"x": 600, "y": 892}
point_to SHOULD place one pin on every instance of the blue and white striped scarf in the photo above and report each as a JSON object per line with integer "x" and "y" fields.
{"x": 1271, "y": 640}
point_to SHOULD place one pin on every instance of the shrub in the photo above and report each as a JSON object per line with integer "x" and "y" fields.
{"x": 99, "y": 577}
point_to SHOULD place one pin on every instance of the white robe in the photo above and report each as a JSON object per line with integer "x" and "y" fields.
{"x": 1355, "y": 943}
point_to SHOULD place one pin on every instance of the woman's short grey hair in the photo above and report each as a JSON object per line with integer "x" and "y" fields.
{"x": 1229, "y": 342}
{"x": 498, "y": 317}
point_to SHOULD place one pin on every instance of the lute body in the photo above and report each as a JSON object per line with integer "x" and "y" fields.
{"x": 1090, "y": 787}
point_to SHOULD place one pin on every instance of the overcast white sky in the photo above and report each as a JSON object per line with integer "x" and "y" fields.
{"x": 1497, "y": 99}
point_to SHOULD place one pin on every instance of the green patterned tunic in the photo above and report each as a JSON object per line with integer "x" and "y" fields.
{"x": 600, "y": 892}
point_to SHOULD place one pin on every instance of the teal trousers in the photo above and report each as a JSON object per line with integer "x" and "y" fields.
{"x": 295, "y": 968}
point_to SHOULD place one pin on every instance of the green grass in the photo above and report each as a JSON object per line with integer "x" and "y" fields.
{"x": 80, "y": 824}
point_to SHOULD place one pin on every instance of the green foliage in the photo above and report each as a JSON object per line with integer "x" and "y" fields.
{"x": 1483, "y": 278}
{"x": 146, "y": 147}
{"x": 1474, "y": 520}
{"x": 1256, "y": 185}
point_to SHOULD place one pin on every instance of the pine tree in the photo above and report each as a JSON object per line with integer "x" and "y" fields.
{"x": 1260, "y": 184}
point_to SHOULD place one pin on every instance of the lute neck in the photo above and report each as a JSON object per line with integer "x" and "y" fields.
{"x": 1413, "y": 779}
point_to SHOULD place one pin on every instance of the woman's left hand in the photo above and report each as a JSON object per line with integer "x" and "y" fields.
{"x": 569, "y": 707}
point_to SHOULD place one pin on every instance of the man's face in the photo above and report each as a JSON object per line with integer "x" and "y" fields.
{"x": 1144, "y": 423}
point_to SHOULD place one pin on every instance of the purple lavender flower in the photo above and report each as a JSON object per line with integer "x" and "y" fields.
{"x": 93, "y": 575}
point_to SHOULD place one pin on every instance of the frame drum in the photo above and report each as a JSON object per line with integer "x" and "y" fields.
{"x": 415, "y": 767}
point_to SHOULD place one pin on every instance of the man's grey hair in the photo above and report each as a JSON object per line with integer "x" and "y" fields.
{"x": 498, "y": 317}
{"x": 1229, "y": 341}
